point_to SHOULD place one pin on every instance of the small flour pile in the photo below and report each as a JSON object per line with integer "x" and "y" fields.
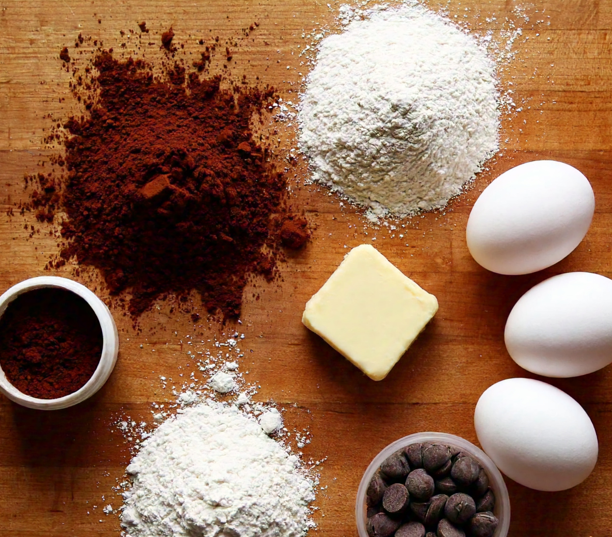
{"x": 400, "y": 111}
{"x": 211, "y": 471}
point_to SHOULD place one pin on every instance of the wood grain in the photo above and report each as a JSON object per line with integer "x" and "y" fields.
{"x": 55, "y": 468}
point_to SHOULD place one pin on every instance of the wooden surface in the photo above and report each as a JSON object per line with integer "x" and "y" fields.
{"x": 57, "y": 469}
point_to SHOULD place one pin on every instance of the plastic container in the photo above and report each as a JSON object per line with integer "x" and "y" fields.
{"x": 110, "y": 344}
{"x": 496, "y": 481}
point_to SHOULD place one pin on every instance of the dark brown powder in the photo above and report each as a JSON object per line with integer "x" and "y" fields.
{"x": 167, "y": 188}
{"x": 50, "y": 343}
{"x": 294, "y": 232}
{"x": 65, "y": 55}
{"x": 167, "y": 38}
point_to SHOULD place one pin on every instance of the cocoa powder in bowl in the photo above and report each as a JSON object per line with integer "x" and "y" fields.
{"x": 50, "y": 343}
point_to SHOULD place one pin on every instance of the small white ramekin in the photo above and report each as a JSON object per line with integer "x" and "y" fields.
{"x": 110, "y": 344}
{"x": 496, "y": 481}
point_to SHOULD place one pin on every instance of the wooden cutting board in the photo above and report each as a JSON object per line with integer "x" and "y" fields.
{"x": 58, "y": 470}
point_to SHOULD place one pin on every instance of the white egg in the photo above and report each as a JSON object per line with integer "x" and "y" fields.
{"x": 562, "y": 327}
{"x": 530, "y": 217}
{"x": 536, "y": 434}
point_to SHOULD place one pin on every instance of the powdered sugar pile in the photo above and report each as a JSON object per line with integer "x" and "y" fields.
{"x": 400, "y": 111}
{"x": 210, "y": 471}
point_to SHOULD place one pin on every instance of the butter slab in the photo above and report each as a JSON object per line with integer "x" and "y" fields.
{"x": 369, "y": 311}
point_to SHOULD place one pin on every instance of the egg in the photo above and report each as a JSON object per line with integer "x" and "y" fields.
{"x": 562, "y": 327}
{"x": 536, "y": 434}
{"x": 530, "y": 217}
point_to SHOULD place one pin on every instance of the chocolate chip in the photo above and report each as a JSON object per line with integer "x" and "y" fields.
{"x": 444, "y": 470}
{"x": 414, "y": 455}
{"x": 487, "y": 502}
{"x": 446, "y": 486}
{"x": 465, "y": 471}
{"x": 375, "y": 491}
{"x": 483, "y": 525}
{"x": 459, "y": 508}
{"x": 436, "y": 509}
{"x": 430, "y": 534}
{"x": 420, "y": 485}
{"x": 372, "y": 511}
{"x": 435, "y": 456}
{"x": 395, "y": 499}
{"x": 411, "y": 529}
{"x": 419, "y": 509}
{"x": 446, "y": 529}
{"x": 382, "y": 525}
{"x": 395, "y": 468}
{"x": 480, "y": 486}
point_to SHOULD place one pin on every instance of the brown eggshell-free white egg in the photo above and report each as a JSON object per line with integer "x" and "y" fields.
{"x": 536, "y": 434}
{"x": 530, "y": 217}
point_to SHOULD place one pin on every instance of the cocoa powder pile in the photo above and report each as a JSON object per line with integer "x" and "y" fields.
{"x": 167, "y": 188}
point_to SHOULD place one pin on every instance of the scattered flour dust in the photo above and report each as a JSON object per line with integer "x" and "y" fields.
{"x": 400, "y": 111}
{"x": 212, "y": 471}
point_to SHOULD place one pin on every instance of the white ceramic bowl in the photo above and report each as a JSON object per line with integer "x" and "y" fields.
{"x": 110, "y": 344}
{"x": 496, "y": 481}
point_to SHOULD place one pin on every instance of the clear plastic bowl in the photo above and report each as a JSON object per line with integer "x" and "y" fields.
{"x": 110, "y": 344}
{"x": 496, "y": 481}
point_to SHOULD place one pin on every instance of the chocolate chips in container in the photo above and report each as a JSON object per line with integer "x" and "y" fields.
{"x": 432, "y": 489}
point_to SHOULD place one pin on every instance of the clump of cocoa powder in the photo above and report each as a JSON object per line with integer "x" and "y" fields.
{"x": 65, "y": 55}
{"x": 294, "y": 232}
{"x": 167, "y": 38}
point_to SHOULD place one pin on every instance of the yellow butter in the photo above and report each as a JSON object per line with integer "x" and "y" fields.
{"x": 369, "y": 311}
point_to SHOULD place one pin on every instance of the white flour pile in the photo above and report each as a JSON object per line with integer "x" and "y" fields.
{"x": 211, "y": 471}
{"x": 400, "y": 111}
